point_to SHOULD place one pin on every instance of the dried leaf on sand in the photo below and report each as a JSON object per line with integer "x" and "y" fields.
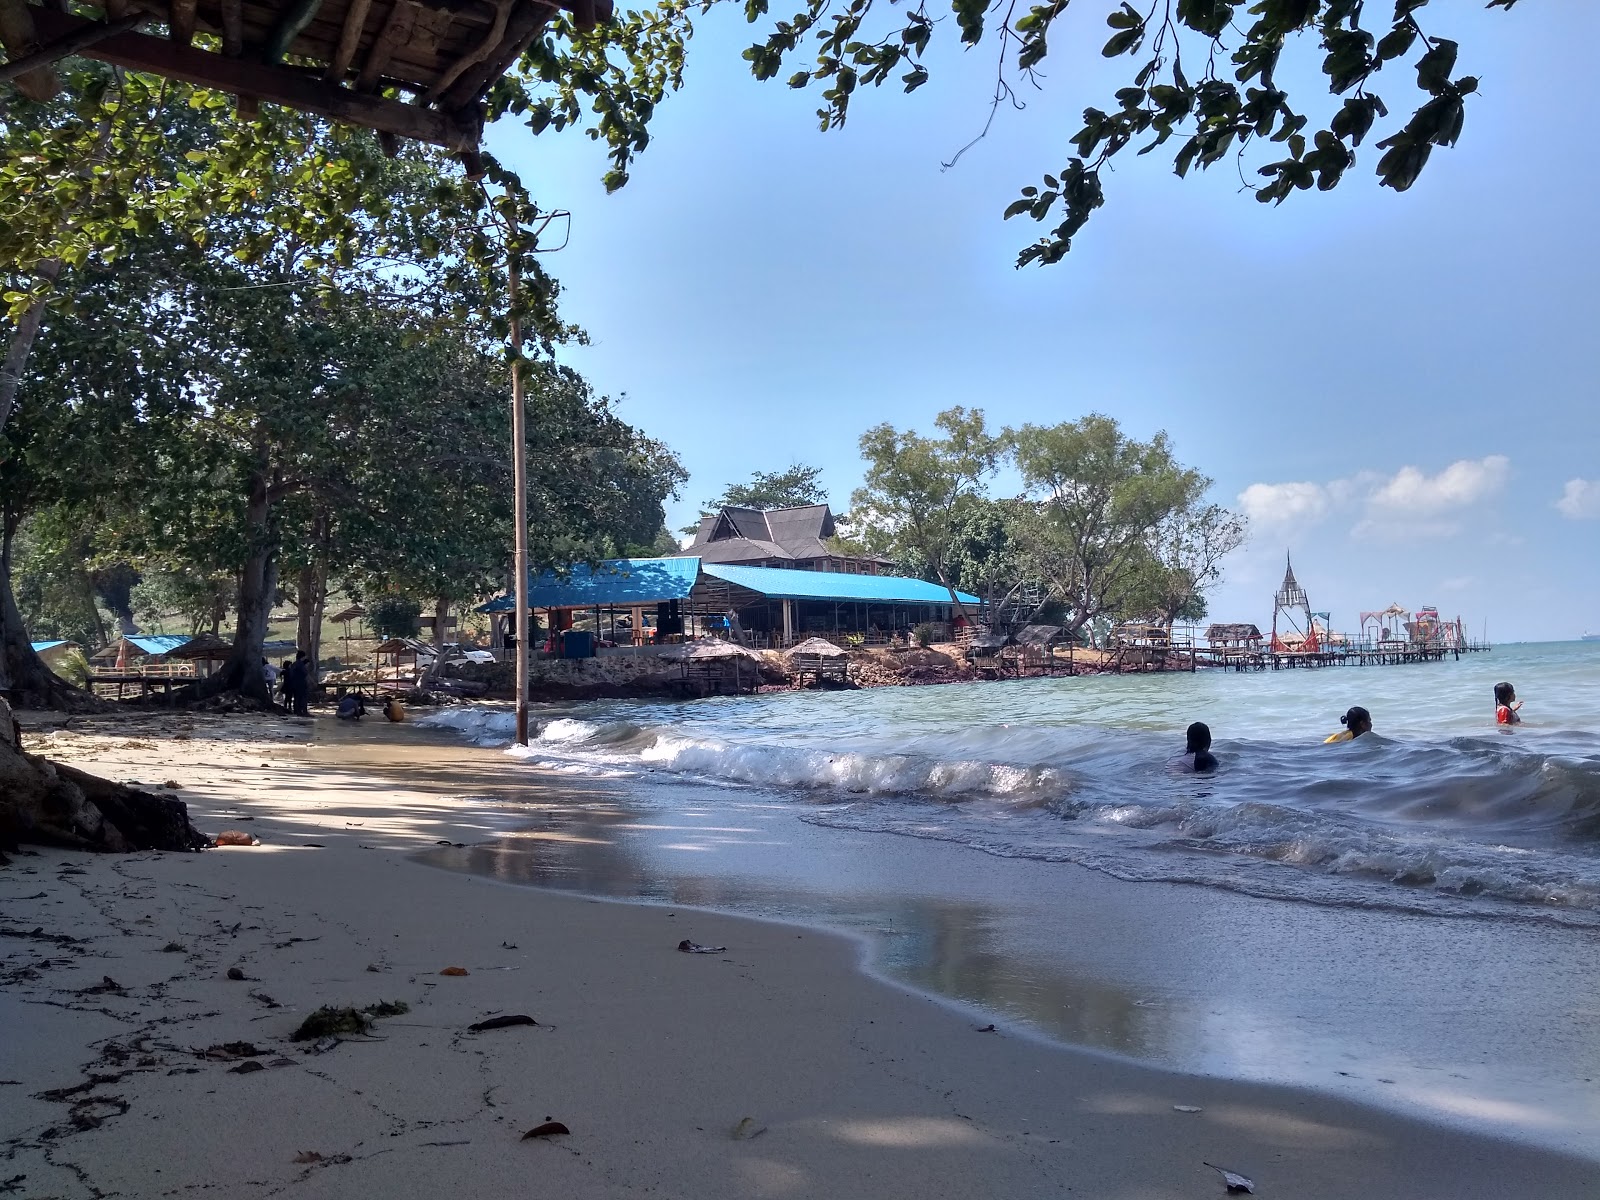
{"x": 548, "y": 1129}
{"x": 1234, "y": 1181}
{"x": 747, "y": 1128}
{"x": 454, "y": 971}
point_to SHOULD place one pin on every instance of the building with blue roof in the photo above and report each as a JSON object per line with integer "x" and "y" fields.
{"x": 630, "y": 598}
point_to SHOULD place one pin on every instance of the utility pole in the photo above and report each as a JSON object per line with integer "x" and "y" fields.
{"x": 519, "y": 472}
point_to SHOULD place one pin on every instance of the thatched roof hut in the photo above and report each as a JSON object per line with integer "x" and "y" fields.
{"x": 709, "y": 649}
{"x": 1039, "y": 635}
{"x": 817, "y": 648}
{"x": 1236, "y": 633}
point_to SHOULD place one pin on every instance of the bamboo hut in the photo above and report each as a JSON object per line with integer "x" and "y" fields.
{"x": 820, "y": 659}
{"x": 1035, "y": 647}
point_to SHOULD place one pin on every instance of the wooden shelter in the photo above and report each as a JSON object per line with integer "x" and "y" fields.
{"x": 396, "y": 664}
{"x": 714, "y": 665}
{"x": 417, "y": 69}
{"x": 206, "y": 652}
{"x": 822, "y": 660}
{"x": 1235, "y": 635}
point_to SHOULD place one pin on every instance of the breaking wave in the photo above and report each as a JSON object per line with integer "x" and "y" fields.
{"x": 1460, "y": 822}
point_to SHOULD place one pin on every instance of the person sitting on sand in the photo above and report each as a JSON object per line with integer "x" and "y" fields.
{"x": 1199, "y": 744}
{"x": 1507, "y": 708}
{"x": 393, "y": 710}
{"x": 1356, "y": 722}
{"x": 352, "y": 707}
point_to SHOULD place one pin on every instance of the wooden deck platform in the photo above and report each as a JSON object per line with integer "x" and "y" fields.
{"x": 1384, "y": 654}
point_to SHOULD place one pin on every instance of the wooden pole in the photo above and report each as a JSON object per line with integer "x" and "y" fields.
{"x": 519, "y": 471}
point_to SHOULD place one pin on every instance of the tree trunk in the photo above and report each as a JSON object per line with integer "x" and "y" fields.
{"x": 441, "y": 613}
{"x": 312, "y": 594}
{"x": 55, "y": 805}
{"x": 22, "y": 339}
{"x": 258, "y": 584}
{"x": 23, "y": 676}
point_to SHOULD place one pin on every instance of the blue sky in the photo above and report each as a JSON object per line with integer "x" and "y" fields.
{"x": 1399, "y": 388}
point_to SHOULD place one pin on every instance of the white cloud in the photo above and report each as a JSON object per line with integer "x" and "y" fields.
{"x": 1408, "y": 505}
{"x": 1580, "y": 500}
{"x": 1459, "y": 485}
{"x": 1285, "y": 503}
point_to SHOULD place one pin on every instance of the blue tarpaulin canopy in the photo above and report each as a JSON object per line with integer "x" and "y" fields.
{"x": 783, "y": 583}
{"x": 41, "y": 647}
{"x": 616, "y": 582}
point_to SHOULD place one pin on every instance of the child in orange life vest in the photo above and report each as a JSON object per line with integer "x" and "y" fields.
{"x": 1506, "y": 705}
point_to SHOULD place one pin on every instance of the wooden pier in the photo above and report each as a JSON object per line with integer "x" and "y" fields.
{"x": 1381, "y": 654}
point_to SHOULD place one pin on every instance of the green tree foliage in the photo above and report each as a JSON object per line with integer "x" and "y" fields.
{"x": 267, "y": 222}
{"x": 1098, "y": 503}
{"x": 1205, "y": 77}
{"x": 798, "y": 485}
{"x": 916, "y": 489}
{"x": 393, "y": 614}
{"x": 1186, "y": 551}
{"x": 187, "y": 599}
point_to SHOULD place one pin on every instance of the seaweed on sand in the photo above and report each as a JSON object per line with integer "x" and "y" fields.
{"x": 331, "y": 1020}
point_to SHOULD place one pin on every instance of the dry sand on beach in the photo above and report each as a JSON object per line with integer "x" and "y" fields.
{"x": 114, "y": 984}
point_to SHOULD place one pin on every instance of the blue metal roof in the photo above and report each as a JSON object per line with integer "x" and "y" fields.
{"x": 621, "y": 582}
{"x": 784, "y": 583}
{"x": 41, "y": 647}
{"x": 159, "y": 643}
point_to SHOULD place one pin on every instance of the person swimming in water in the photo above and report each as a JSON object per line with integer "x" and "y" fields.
{"x": 1507, "y": 708}
{"x": 1356, "y": 722}
{"x": 1198, "y": 743}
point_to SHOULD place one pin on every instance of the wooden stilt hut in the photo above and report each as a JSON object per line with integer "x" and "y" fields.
{"x": 713, "y": 665}
{"x": 822, "y": 660}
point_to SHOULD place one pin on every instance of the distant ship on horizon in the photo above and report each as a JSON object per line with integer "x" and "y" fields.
{"x": 1590, "y": 637}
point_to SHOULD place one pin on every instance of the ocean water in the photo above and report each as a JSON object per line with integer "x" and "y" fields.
{"x": 1437, "y": 811}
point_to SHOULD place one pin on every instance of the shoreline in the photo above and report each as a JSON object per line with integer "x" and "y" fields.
{"x": 864, "y": 1088}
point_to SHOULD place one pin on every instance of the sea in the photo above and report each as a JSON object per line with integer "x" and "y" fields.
{"x": 1438, "y": 810}
{"x": 1410, "y": 919}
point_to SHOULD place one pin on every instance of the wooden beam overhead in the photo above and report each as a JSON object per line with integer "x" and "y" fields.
{"x": 73, "y": 43}
{"x": 20, "y": 36}
{"x": 232, "y": 27}
{"x": 355, "y": 20}
{"x": 288, "y": 86}
{"x": 524, "y": 24}
{"x": 396, "y": 29}
{"x": 180, "y": 22}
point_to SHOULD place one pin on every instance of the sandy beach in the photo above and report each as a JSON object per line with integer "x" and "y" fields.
{"x": 132, "y": 1064}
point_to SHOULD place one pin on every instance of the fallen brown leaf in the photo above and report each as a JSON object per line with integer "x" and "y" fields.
{"x": 454, "y": 971}
{"x": 548, "y": 1129}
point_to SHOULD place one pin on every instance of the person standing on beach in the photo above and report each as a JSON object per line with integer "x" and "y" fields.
{"x": 1356, "y": 722}
{"x": 299, "y": 686}
{"x": 1507, "y": 708}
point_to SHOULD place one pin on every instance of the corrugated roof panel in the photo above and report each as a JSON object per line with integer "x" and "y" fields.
{"x": 616, "y": 581}
{"x": 783, "y": 583}
{"x": 41, "y": 647}
{"x": 158, "y": 643}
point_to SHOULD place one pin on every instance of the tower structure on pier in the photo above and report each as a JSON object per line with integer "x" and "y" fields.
{"x": 1292, "y": 608}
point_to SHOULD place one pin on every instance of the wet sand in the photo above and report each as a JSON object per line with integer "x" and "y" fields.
{"x": 652, "y": 1058}
{"x": 1487, "y": 1024}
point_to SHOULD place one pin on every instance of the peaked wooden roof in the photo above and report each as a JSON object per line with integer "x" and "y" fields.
{"x": 334, "y": 58}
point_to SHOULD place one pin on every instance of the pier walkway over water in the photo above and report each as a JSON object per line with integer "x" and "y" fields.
{"x": 1359, "y": 654}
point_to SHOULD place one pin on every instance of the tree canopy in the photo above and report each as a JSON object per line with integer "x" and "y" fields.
{"x": 1207, "y": 83}
{"x": 1105, "y": 524}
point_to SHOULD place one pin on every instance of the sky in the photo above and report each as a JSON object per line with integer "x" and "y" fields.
{"x": 1398, "y": 389}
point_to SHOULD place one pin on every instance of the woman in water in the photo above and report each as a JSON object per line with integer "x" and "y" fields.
{"x": 1507, "y": 708}
{"x": 1198, "y": 743}
{"x": 1356, "y": 722}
